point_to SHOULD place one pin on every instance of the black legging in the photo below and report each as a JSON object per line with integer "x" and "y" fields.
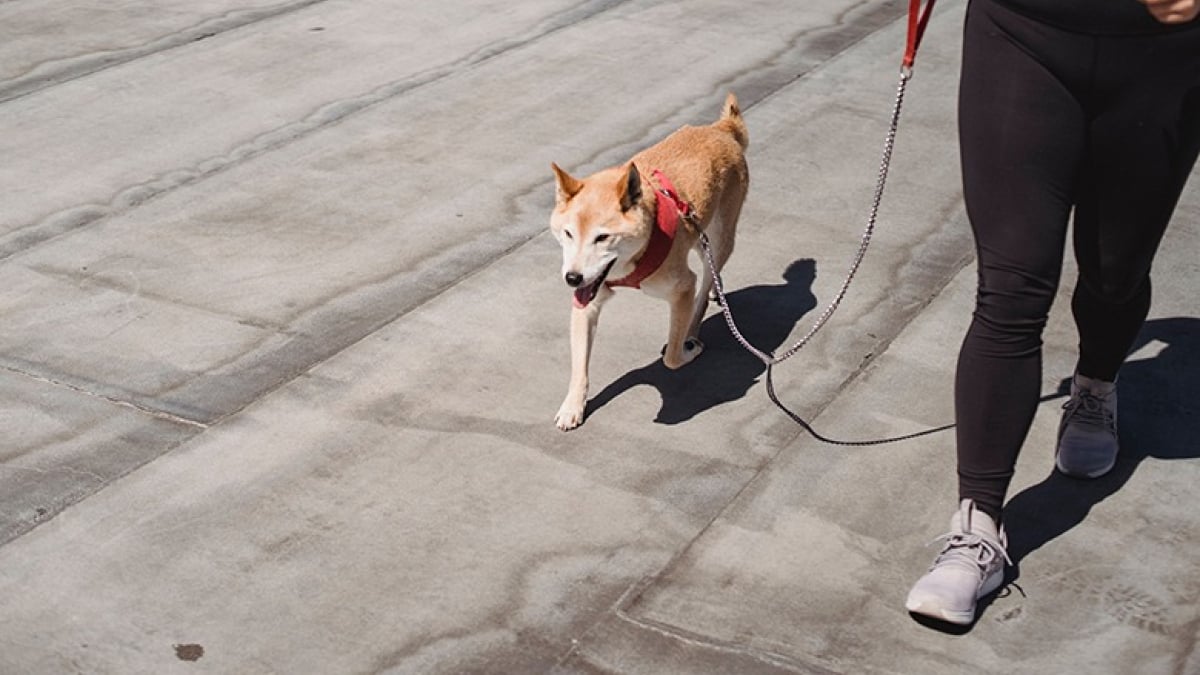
{"x": 1049, "y": 120}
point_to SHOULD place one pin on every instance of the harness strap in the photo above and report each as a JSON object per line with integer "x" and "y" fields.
{"x": 671, "y": 209}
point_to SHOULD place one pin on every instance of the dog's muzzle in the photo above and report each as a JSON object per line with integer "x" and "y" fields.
{"x": 585, "y": 294}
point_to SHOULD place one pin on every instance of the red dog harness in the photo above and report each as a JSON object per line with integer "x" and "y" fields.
{"x": 671, "y": 208}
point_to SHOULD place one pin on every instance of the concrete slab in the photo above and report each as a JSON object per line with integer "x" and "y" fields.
{"x": 491, "y": 555}
{"x": 365, "y": 323}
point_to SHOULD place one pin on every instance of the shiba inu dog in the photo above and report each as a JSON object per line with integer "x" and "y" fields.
{"x": 634, "y": 225}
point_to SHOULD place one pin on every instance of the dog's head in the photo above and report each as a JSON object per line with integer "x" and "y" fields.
{"x": 601, "y": 222}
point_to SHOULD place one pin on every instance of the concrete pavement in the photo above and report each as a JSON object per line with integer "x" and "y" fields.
{"x": 284, "y": 338}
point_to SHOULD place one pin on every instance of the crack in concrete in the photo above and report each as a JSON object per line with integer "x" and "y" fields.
{"x": 158, "y": 414}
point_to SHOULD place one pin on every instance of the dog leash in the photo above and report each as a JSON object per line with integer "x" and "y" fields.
{"x": 918, "y": 19}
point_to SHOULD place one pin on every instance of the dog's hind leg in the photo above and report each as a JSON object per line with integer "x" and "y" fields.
{"x": 728, "y": 211}
{"x": 703, "y": 292}
{"x": 682, "y": 344}
{"x": 723, "y": 230}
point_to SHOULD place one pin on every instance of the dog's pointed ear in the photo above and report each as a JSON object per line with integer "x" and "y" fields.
{"x": 565, "y": 185}
{"x": 630, "y": 189}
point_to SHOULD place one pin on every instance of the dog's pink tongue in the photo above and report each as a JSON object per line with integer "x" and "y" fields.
{"x": 583, "y": 295}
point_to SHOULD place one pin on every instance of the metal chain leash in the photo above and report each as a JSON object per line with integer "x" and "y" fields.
{"x": 885, "y": 163}
{"x": 918, "y": 19}
{"x": 770, "y": 360}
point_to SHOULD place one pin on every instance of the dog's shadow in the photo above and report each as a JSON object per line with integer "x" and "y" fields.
{"x": 1159, "y": 417}
{"x": 765, "y": 315}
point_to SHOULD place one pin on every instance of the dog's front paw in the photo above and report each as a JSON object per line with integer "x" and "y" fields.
{"x": 569, "y": 416}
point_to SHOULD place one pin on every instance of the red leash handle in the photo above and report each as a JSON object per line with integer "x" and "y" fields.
{"x": 918, "y": 18}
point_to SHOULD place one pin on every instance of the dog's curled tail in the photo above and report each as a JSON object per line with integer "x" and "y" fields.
{"x": 731, "y": 121}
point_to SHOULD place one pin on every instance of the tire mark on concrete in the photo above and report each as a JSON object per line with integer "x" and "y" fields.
{"x": 51, "y": 73}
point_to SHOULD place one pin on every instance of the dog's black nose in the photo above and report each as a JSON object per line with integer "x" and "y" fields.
{"x": 573, "y": 279}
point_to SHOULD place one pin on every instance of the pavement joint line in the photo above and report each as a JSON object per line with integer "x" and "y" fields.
{"x": 695, "y": 639}
{"x": 80, "y": 216}
{"x": 30, "y": 82}
{"x": 159, "y": 414}
{"x": 705, "y": 642}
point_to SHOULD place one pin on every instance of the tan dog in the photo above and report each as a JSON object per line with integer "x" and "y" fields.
{"x": 634, "y": 225}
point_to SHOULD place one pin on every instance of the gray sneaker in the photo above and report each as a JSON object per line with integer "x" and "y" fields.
{"x": 1087, "y": 435}
{"x": 970, "y": 566}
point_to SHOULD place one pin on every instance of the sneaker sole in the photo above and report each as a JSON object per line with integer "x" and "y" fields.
{"x": 957, "y": 617}
{"x": 933, "y": 611}
{"x": 1084, "y": 474}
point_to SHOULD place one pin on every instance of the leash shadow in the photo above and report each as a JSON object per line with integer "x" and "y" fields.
{"x": 725, "y": 372}
{"x": 1159, "y": 418}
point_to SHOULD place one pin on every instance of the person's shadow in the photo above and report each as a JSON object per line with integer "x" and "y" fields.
{"x": 765, "y": 315}
{"x": 1158, "y": 417}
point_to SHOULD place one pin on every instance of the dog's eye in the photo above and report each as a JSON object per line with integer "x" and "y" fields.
{"x": 567, "y": 234}
{"x": 600, "y": 237}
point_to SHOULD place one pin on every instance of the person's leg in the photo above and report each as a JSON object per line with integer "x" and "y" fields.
{"x": 1143, "y": 143}
{"x": 1022, "y": 138}
{"x": 1143, "y": 140}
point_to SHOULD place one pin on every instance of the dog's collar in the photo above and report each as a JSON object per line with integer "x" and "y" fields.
{"x": 671, "y": 209}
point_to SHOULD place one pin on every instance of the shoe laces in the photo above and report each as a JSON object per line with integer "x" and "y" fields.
{"x": 969, "y": 549}
{"x": 1089, "y": 409}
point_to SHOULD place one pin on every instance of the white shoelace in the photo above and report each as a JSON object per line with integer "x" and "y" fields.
{"x": 969, "y": 549}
